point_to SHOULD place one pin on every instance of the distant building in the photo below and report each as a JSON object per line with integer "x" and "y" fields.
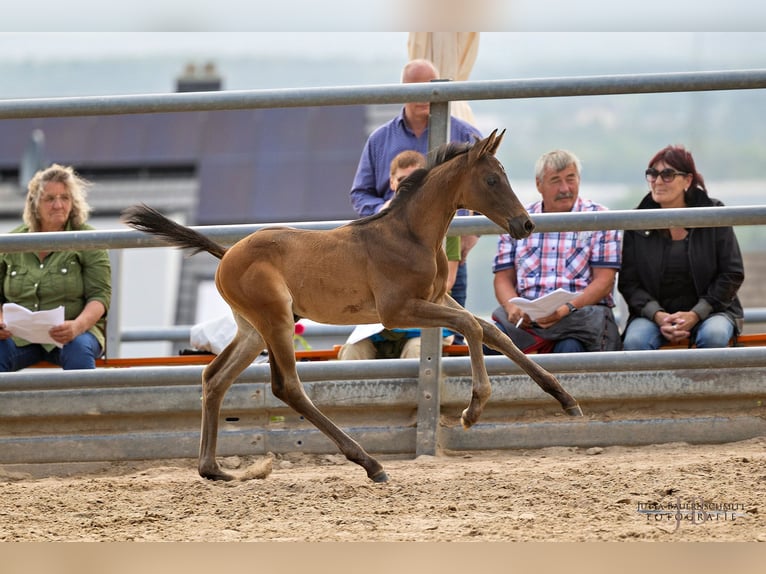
{"x": 194, "y": 79}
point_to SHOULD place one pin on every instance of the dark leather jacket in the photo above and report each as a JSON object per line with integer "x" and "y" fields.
{"x": 715, "y": 261}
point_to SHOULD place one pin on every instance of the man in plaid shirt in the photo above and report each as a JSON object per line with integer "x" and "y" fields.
{"x": 584, "y": 262}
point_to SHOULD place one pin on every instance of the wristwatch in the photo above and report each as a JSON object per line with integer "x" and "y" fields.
{"x": 572, "y": 308}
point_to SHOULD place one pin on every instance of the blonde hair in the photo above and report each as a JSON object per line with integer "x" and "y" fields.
{"x": 407, "y": 158}
{"x": 76, "y": 186}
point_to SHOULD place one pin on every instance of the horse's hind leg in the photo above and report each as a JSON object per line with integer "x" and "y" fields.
{"x": 496, "y": 339}
{"x": 217, "y": 377}
{"x": 287, "y": 387}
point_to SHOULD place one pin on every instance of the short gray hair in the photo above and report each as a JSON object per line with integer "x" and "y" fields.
{"x": 556, "y": 160}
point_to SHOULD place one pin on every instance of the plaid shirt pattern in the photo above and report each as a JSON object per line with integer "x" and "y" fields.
{"x": 545, "y": 262}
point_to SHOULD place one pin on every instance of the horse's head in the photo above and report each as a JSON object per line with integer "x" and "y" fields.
{"x": 489, "y": 192}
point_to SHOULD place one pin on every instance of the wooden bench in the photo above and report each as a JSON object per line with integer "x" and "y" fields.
{"x": 749, "y": 340}
{"x": 202, "y": 358}
{"x": 106, "y": 362}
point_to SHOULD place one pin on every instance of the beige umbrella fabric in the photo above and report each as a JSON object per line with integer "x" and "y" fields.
{"x": 453, "y": 53}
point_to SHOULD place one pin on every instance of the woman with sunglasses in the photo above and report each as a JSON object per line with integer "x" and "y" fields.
{"x": 680, "y": 283}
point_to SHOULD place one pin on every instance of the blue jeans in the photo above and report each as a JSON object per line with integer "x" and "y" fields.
{"x": 79, "y": 353}
{"x": 568, "y": 346}
{"x": 459, "y": 292}
{"x": 714, "y": 332}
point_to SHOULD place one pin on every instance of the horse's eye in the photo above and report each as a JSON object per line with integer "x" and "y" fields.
{"x": 491, "y": 179}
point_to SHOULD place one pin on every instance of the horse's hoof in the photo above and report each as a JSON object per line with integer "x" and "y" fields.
{"x": 574, "y": 411}
{"x": 465, "y": 423}
{"x": 379, "y": 476}
{"x": 216, "y": 474}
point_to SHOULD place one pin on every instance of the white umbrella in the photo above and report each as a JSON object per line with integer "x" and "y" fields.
{"x": 453, "y": 53}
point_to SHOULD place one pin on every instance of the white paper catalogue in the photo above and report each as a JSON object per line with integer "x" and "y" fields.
{"x": 545, "y": 305}
{"x": 32, "y": 325}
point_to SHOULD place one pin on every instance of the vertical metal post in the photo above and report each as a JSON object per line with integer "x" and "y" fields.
{"x": 430, "y": 373}
{"x": 113, "y": 322}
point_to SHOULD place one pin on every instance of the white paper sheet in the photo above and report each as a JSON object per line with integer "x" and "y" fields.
{"x": 545, "y": 305}
{"x": 32, "y": 325}
{"x": 363, "y": 331}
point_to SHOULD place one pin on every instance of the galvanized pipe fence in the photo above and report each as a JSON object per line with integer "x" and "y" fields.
{"x": 435, "y": 92}
{"x": 461, "y": 225}
{"x": 431, "y": 371}
{"x": 596, "y": 362}
{"x": 181, "y": 333}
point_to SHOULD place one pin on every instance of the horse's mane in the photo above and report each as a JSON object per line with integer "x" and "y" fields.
{"x": 446, "y": 152}
{"x": 414, "y": 181}
{"x": 411, "y": 183}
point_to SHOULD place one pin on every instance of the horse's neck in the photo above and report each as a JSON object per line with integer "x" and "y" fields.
{"x": 429, "y": 213}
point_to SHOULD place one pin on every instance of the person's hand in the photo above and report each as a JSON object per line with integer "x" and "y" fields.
{"x": 65, "y": 332}
{"x": 550, "y": 320}
{"x": 4, "y": 332}
{"x": 676, "y": 327}
{"x": 516, "y": 315}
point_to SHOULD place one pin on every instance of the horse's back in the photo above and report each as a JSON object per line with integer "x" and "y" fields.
{"x": 322, "y": 274}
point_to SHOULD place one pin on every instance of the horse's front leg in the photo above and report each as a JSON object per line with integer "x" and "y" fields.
{"x": 451, "y": 315}
{"x": 496, "y": 339}
{"x": 481, "y": 388}
{"x": 287, "y": 387}
{"x": 467, "y": 325}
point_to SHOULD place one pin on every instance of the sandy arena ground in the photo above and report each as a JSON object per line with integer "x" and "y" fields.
{"x": 561, "y": 494}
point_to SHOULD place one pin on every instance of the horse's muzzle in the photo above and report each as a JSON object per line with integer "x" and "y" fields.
{"x": 520, "y": 227}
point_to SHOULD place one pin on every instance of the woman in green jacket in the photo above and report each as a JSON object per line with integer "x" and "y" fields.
{"x": 80, "y": 281}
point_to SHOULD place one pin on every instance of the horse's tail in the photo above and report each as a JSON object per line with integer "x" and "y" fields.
{"x": 144, "y": 218}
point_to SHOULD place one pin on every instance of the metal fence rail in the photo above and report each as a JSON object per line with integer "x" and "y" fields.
{"x": 180, "y": 333}
{"x": 475, "y": 225}
{"x": 610, "y": 362}
{"x": 386, "y": 94}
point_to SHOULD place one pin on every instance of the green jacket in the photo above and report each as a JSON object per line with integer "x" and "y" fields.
{"x": 68, "y": 278}
{"x": 452, "y": 247}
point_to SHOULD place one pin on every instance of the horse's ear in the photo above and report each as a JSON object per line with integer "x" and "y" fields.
{"x": 490, "y": 143}
{"x": 496, "y": 142}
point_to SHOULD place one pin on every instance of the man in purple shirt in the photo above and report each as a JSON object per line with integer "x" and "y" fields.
{"x": 407, "y": 131}
{"x": 584, "y": 262}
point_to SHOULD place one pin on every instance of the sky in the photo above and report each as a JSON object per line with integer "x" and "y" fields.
{"x": 96, "y": 45}
{"x": 372, "y": 46}
{"x": 383, "y": 15}
{"x": 368, "y": 29}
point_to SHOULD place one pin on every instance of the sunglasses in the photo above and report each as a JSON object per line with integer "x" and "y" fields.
{"x": 666, "y": 174}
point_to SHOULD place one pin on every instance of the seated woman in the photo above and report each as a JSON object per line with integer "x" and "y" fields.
{"x": 680, "y": 283}
{"x": 80, "y": 281}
